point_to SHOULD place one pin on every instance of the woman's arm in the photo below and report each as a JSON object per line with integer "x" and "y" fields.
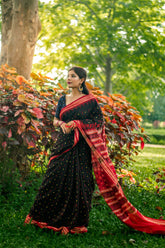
{"x": 57, "y": 122}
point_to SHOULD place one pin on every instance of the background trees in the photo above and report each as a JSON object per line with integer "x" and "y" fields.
{"x": 121, "y": 43}
{"x": 158, "y": 109}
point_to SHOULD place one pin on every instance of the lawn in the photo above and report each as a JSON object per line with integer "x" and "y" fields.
{"x": 158, "y": 131}
{"x": 105, "y": 230}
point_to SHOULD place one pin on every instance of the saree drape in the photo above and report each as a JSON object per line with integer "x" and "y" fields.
{"x": 64, "y": 199}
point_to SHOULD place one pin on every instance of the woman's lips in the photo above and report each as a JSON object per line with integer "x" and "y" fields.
{"x": 69, "y": 82}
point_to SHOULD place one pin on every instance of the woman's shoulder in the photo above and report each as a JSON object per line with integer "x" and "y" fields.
{"x": 61, "y": 101}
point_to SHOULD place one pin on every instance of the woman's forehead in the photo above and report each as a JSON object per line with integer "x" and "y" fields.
{"x": 72, "y": 72}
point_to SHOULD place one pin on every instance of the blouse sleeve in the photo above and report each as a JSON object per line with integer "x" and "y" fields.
{"x": 60, "y": 105}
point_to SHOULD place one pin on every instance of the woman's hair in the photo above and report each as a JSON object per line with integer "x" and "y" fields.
{"x": 81, "y": 72}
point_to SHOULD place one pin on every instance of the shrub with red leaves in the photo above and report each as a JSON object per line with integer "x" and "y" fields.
{"x": 27, "y": 109}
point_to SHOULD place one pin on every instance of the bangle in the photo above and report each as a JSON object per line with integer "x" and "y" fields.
{"x": 61, "y": 122}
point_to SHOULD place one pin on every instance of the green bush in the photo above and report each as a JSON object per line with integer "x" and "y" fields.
{"x": 157, "y": 139}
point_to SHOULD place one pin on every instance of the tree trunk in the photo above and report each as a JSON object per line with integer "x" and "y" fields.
{"x": 7, "y": 7}
{"x": 108, "y": 74}
{"x": 20, "y": 28}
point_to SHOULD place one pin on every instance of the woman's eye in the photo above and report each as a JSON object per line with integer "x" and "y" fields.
{"x": 73, "y": 76}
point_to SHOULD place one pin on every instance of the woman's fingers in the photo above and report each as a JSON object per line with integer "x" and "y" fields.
{"x": 71, "y": 125}
{"x": 66, "y": 129}
{"x": 63, "y": 129}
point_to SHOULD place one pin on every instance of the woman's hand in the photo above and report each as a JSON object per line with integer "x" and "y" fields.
{"x": 68, "y": 127}
{"x": 65, "y": 129}
{"x": 71, "y": 124}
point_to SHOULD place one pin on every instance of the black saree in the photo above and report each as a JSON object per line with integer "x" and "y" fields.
{"x": 64, "y": 198}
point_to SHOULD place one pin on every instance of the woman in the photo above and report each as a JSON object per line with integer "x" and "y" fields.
{"x": 64, "y": 199}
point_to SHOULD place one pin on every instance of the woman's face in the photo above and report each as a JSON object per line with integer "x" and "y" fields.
{"x": 73, "y": 80}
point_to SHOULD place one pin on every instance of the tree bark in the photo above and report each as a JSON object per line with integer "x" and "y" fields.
{"x": 108, "y": 73}
{"x": 20, "y": 28}
{"x": 7, "y": 9}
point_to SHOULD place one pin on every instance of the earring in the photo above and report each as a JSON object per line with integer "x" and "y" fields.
{"x": 80, "y": 88}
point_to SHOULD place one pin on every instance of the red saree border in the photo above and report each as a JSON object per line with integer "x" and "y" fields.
{"x": 63, "y": 229}
{"x": 110, "y": 172}
{"x": 112, "y": 191}
{"x": 75, "y": 103}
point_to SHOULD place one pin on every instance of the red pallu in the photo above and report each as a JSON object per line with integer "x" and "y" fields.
{"x": 107, "y": 180}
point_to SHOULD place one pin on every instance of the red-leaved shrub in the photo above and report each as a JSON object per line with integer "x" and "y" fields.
{"x": 27, "y": 109}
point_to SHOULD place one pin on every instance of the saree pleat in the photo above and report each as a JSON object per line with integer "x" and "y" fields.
{"x": 64, "y": 199}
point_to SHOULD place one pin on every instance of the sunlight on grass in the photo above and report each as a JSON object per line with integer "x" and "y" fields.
{"x": 157, "y": 131}
{"x": 149, "y": 163}
{"x": 150, "y": 155}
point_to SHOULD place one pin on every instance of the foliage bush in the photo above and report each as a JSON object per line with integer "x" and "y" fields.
{"x": 26, "y": 114}
{"x": 157, "y": 139}
{"x": 27, "y": 109}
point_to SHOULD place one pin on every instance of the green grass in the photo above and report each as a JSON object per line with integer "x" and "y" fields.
{"x": 15, "y": 206}
{"x": 148, "y": 160}
{"x": 147, "y": 163}
{"x": 158, "y": 131}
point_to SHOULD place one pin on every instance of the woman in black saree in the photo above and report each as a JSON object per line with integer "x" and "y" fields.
{"x": 64, "y": 198}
